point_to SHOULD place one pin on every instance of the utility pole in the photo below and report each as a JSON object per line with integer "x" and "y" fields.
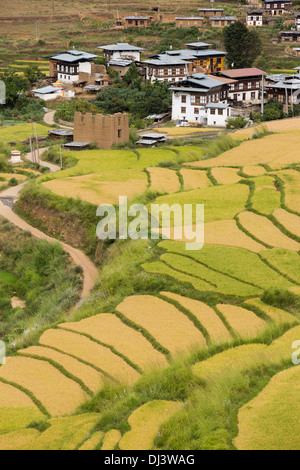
{"x": 37, "y": 145}
{"x": 61, "y": 164}
{"x": 286, "y": 100}
{"x": 262, "y": 94}
{"x": 292, "y": 103}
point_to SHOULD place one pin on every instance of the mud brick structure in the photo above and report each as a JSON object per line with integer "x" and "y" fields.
{"x": 105, "y": 130}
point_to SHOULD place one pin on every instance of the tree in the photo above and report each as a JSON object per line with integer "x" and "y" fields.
{"x": 15, "y": 84}
{"x": 243, "y": 46}
{"x": 132, "y": 77}
{"x": 32, "y": 73}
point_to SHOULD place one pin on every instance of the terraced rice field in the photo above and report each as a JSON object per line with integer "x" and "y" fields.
{"x": 20, "y": 132}
{"x": 259, "y": 419}
{"x": 204, "y": 305}
{"x": 145, "y": 423}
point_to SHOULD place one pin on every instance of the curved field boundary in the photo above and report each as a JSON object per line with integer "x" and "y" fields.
{"x": 244, "y": 322}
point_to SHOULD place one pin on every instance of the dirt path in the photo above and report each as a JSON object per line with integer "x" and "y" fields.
{"x": 49, "y": 119}
{"x": 9, "y": 196}
{"x": 53, "y": 168}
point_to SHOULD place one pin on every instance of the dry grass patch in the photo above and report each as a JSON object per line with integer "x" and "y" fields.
{"x": 194, "y": 179}
{"x": 164, "y": 180}
{"x": 17, "y": 410}
{"x": 178, "y": 131}
{"x": 170, "y": 327}
{"x": 91, "y": 352}
{"x": 226, "y": 175}
{"x": 89, "y": 376}
{"x": 111, "y": 439}
{"x": 276, "y": 314}
{"x": 290, "y": 221}
{"x": 55, "y": 391}
{"x": 18, "y": 440}
{"x": 65, "y": 433}
{"x": 9, "y": 176}
{"x": 226, "y": 232}
{"x": 263, "y": 425}
{"x": 93, "y": 441}
{"x": 245, "y": 323}
{"x": 145, "y": 423}
{"x": 263, "y": 229}
{"x": 291, "y": 179}
{"x": 109, "y": 329}
{"x": 206, "y": 316}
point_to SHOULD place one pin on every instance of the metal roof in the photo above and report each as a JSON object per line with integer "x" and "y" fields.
{"x": 222, "y": 18}
{"x": 197, "y": 44}
{"x": 137, "y": 17}
{"x": 74, "y": 56}
{"x": 61, "y": 132}
{"x": 217, "y": 105}
{"x": 153, "y": 135}
{"x": 120, "y": 46}
{"x": 241, "y": 73}
{"x": 46, "y": 90}
{"x": 189, "y": 18}
{"x": 120, "y": 62}
{"x": 182, "y": 56}
{"x": 211, "y": 9}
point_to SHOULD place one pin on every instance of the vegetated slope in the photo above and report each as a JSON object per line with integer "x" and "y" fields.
{"x": 181, "y": 339}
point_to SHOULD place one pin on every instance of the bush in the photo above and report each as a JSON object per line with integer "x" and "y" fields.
{"x": 236, "y": 123}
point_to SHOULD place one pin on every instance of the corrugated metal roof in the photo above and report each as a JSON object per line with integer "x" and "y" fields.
{"x": 46, "y": 90}
{"x": 217, "y": 105}
{"x": 240, "y": 73}
{"x": 120, "y": 46}
{"x": 189, "y": 18}
{"x": 222, "y": 18}
{"x": 137, "y": 17}
{"x": 74, "y": 56}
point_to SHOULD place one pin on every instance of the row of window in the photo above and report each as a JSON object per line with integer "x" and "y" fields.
{"x": 67, "y": 69}
{"x": 281, "y": 5}
{"x": 213, "y": 111}
{"x": 244, "y": 86}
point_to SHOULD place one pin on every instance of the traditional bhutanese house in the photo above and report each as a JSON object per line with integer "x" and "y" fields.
{"x": 189, "y": 21}
{"x": 275, "y": 8}
{"x": 138, "y": 21}
{"x": 297, "y": 21}
{"x": 198, "y": 46}
{"x": 121, "y": 50}
{"x": 120, "y": 65}
{"x": 176, "y": 65}
{"x": 221, "y": 21}
{"x": 200, "y": 99}
{"x": 290, "y": 36}
{"x": 66, "y": 66}
{"x": 284, "y": 89}
{"x": 254, "y": 18}
{"x": 151, "y": 139}
{"x": 296, "y": 51}
{"x": 247, "y": 86}
{"x": 211, "y": 11}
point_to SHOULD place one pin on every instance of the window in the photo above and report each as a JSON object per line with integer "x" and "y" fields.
{"x": 220, "y": 112}
{"x": 183, "y": 110}
{"x": 160, "y": 72}
{"x": 196, "y": 110}
{"x": 249, "y": 85}
{"x": 169, "y": 71}
{"x": 253, "y": 95}
{"x": 241, "y": 86}
{"x": 177, "y": 71}
{"x": 212, "y": 111}
{"x": 183, "y": 98}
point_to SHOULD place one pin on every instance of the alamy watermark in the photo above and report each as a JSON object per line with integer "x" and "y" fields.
{"x": 2, "y": 92}
{"x": 2, "y": 353}
{"x": 176, "y": 222}
{"x": 296, "y": 353}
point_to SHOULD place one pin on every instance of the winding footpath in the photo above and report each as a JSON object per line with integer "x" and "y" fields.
{"x": 11, "y": 195}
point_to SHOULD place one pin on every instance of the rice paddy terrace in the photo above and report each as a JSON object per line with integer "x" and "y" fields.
{"x": 175, "y": 349}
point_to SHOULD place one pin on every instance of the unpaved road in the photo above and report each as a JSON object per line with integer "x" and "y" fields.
{"x": 10, "y": 195}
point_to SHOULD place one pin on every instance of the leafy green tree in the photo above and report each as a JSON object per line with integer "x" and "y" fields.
{"x": 243, "y": 46}
{"x": 132, "y": 77}
{"x": 15, "y": 84}
{"x": 32, "y": 73}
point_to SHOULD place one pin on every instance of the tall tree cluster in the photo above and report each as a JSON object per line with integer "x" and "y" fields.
{"x": 243, "y": 45}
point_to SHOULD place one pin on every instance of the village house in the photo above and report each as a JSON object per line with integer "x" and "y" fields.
{"x": 47, "y": 93}
{"x": 211, "y": 11}
{"x": 221, "y": 21}
{"x": 200, "y": 99}
{"x": 66, "y": 66}
{"x": 297, "y": 51}
{"x": 275, "y": 8}
{"x": 254, "y": 18}
{"x": 297, "y": 21}
{"x": 121, "y": 50}
{"x": 290, "y": 36}
{"x": 285, "y": 89}
{"x": 189, "y": 21}
{"x": 172, "y": 65}
{"x": 138, "y": 21}
{"x": 247, "y": 86}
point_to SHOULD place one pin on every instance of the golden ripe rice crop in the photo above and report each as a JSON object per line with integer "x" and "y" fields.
{"x": 8, "y": 176}
{"x": 111, "y": 439}
{"x": 263, "y": 229}
{"x": 109, "y": 329}
{"x": 226, "y": 232}
{"x": 254, "y": 170}
{"x": 290, "y": 221}
{"x": 226, "y": 175}
{"x": 194, "y": 179}
{"x": 18, "y": 440}
{"x": 56, "y": 392}
{"x": 286, "y": 261}
{"x": 93, "y": 441}
{"x": 91, "y": 352}
{"x": 164, "y": 180}
{"x": 89, "y": 376}
{"x": 276, "y": 314}
{"x": 291, "y": 179}
{"x": 65, "y": 433}
{"x": 206, "y": 316}
{"x": 233, "y": 359}
{"x": 271, "y": 420}
{"x": 270, "y": 148}
{"x": 245, "y": 323}
{"x": 17, "y": 410}
{"x": 171, "y": 328}
{"x": 145, "y": 423}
